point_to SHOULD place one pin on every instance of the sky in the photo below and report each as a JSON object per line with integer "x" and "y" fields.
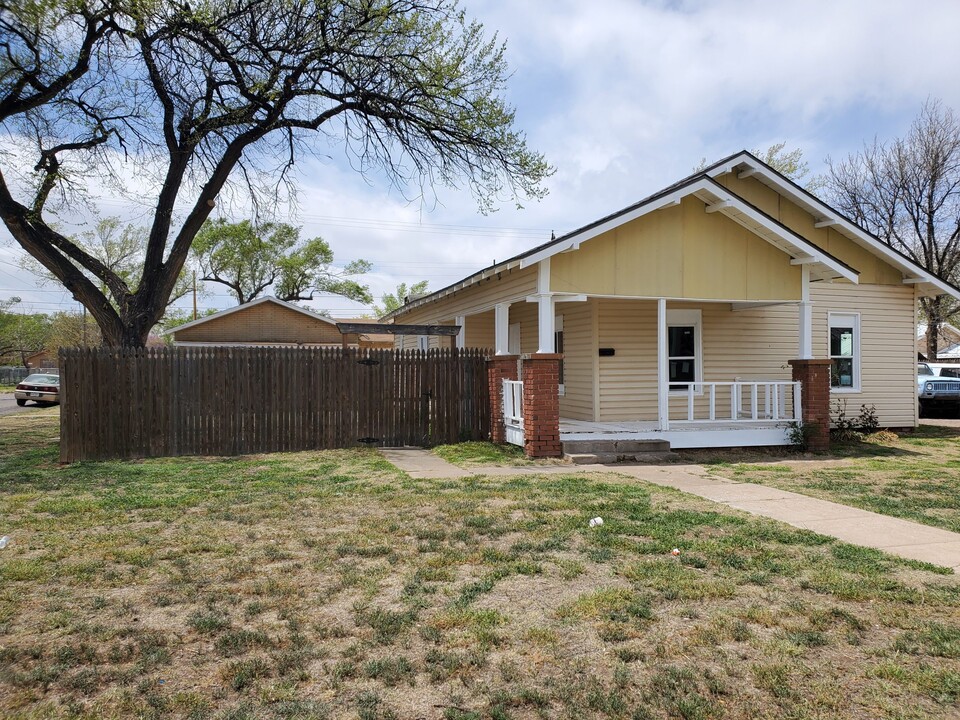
{"x": 623, "y": 97}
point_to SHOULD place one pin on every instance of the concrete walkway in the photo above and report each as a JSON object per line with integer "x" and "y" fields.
{"x": 859, "y": 527}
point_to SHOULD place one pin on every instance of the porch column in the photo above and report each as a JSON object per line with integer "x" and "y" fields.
{"x": 461, "y": 343}
{"x": 814, "y": 378}
{"x": 545, "y": 318}
{"x": 501, "y": 332}
{"x": 499, "y": 368}
{"x": 541, "y": 405}
{"x": 805, "y": 317}
{"x": 546, "y": 325}
{"x": 663, "y": 367}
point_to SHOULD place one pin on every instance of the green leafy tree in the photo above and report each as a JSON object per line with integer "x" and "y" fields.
{"x": 791, "y": 164}
{"x": 21, "y": 334}
{"x": 199, "y": 98}
{"x": 787, "y": 162}
{"x": 907, "y": 192}
{"x": 394, "y": 301}
{"x": 118, "y": 246}
{"x": 250, "y": 258}
{"x": 72, "y": 329}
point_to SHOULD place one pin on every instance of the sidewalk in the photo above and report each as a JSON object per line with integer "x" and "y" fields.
{"x": 859, "y": 527}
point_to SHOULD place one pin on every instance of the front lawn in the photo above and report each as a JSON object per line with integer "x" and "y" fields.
{"x": 915, "y": 476}
{"x": 317, "y": 585}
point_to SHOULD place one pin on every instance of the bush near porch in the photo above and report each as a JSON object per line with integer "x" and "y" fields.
{"x": 329, "y": 584}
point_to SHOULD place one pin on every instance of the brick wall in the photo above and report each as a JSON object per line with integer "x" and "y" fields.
{"x": 814, "y": 376}
{"x": 541, "y": 405}
{"x": 499, "y": 368}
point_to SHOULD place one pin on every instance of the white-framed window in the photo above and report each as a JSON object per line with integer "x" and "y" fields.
{"x": 423, "y": 342}
{"x": 558, "y": 344}
{"x": 844, "y": 339}
{"x": 684, "y": 349}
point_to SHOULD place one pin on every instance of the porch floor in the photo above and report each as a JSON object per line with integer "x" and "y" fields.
{"x": 685, "y": 435}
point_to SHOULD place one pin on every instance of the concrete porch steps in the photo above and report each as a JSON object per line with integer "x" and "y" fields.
{"x": 592, "y": 452}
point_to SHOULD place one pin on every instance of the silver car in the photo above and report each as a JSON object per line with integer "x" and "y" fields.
{"x": 41, "y": 388}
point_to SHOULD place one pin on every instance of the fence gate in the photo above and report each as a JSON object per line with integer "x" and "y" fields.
{"x": 153, "y": 402}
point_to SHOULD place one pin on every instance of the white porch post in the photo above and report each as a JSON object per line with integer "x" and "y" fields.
{"x": 461, "y": 320}
{"x": 545, "y": 317}
{"x": 805, "y": 315}
{"x": 663, "y": 368}
{"x": 501, "y": 317}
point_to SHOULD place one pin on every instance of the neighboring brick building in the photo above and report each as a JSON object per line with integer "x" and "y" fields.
{"x": 267, "y": 321}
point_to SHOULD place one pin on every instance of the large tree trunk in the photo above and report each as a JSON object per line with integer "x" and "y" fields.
{"x": 933, "y": 310}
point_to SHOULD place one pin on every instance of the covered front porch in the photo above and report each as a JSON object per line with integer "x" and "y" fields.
{"x": 689, "y": 435}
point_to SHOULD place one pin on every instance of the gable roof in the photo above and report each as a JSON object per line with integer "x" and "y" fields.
{"x": 718, "y": 198}
{"x": 246, "y": 306}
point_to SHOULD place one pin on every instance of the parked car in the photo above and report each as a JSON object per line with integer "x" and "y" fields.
{"x": 937, "y": 391}
{"x": 41, "y": 388}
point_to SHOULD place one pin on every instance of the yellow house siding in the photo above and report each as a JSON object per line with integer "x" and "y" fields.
{"x": 873, "y": 270}
{"x": 750, "y": 344}
{"x": 480, "y": 330}
{"x": 628, "y": 380}
{"x": 678, "y": 252}
{"x": 263, "y": 323}
{"x": 887, "y": 355}
{"x": 578, "y": 368}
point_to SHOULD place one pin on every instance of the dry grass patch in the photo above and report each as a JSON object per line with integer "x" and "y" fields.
{"x": 328, "y": 585}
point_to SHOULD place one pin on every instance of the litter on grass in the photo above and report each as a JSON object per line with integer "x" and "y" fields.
{"x": 596, "y": 522}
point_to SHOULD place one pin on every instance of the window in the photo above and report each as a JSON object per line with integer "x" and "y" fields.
{"x": 423, "y": 342}
{"x": 684, "y": 353}
{"x": 845, "y": 352}
{"x": 558, "y": 344}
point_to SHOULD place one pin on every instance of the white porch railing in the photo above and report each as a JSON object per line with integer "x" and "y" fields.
{"x": 739, "y": 402}
{"x": 513, "y": 411}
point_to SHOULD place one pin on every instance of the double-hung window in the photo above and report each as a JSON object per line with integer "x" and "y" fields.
{"x": 845, "y": 352}
{"x": 684, "y": 349}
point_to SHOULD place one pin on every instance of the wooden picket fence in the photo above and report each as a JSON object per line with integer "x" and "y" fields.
{"x": 156, "y": 402}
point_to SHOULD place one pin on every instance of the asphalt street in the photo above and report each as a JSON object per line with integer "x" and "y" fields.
{"x": 8, "y": 405}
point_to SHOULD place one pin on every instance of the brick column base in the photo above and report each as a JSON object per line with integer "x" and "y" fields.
{"x": 499, "y": 368}
{"x": 541, "y": 405}
{"x": 814, "y": 376}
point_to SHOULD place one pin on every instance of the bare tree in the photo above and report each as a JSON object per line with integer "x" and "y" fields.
{"x": 907, "y": 192}
{"x": 201, "y": 96}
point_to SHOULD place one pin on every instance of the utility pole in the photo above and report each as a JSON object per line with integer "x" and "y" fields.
{"x": 194, "y": 294}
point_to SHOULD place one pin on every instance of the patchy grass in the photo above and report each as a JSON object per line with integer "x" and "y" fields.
{"x": 483, "y": 453}
{"x": 914, "y": 475}
{"x": 323, "y": 585}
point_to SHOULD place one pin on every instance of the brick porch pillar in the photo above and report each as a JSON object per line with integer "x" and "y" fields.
{"x": 541, "y": 405}
{"x": 499, "y": 368}
{"x": 814, "y": 376}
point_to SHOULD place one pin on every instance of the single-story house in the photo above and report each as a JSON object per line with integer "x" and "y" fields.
{"x": 720, "y": 311}
{"x": 268, "y": 321}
